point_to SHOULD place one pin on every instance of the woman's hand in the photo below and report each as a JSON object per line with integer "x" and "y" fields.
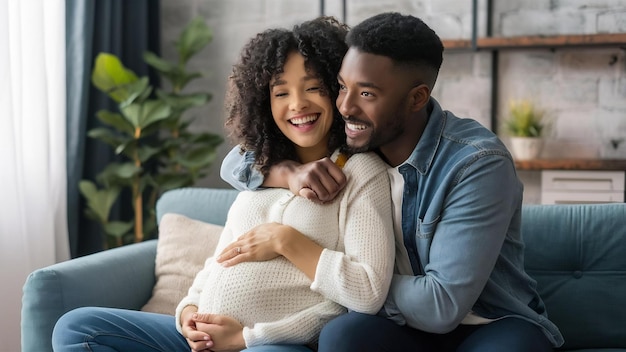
{"x": 198, "y": 340}
{"x": 261, "y": 243}
{"x": 268, "y": 241}
{"x": 226, "y": 333}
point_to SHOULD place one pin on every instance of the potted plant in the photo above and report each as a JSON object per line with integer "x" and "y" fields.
{"x": 150, "y": 131}
{"x": 525, "y": 125}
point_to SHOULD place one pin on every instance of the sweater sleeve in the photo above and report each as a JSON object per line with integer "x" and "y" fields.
{"x": 193, "y": 294}
{"x": 359, "y": 279}
{"x": 300, "y": 328}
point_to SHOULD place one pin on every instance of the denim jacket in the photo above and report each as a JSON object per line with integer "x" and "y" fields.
{"x": 461, "y": 222}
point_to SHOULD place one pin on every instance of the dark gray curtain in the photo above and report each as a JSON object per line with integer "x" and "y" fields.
{"x": 126, "y": 29}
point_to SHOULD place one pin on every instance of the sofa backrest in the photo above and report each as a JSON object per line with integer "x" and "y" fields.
{"x": 204, "y": 204}
{"x": 577, "y": 254}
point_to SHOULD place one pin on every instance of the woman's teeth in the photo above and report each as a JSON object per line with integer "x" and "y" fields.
{"x": 303, "y": 120}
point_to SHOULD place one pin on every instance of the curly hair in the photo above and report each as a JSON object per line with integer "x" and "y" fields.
{"x": 249, "y": 117}
{"x": 403, "y": 38}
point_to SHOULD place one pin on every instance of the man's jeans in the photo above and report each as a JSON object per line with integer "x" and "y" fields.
{"x": 370, "y": 333}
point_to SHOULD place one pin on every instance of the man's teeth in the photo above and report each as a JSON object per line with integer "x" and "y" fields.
{"x": 355, "y": 127}
{"x": 303, "y": 120}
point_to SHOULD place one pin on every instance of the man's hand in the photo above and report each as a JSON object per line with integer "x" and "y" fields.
{"x": 319, "y": 181}
{"x": 226, "y": 332}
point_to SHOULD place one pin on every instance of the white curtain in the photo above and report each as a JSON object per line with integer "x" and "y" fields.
{"x": 33, "y": 221}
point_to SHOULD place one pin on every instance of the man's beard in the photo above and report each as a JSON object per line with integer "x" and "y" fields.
{"x": 377, "y": 139}
{"x": 353, "y": 150}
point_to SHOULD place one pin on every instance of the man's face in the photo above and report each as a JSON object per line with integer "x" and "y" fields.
{"x": 373, "y": 101}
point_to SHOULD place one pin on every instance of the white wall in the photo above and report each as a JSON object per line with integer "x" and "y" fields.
{"x": 583, "y": 89}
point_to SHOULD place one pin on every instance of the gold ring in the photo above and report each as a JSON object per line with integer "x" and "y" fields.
{"x": 238, "y": 250}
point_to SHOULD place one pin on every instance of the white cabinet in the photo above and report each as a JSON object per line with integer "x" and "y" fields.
{"x": 569, "y": 186}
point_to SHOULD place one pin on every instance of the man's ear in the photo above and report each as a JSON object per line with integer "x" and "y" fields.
{"x": 419, "y": 96}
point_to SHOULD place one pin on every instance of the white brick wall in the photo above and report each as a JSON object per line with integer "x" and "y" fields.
{"x": 584, "y": 89}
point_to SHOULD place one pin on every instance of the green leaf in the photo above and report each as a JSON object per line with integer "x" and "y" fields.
{"x": 156, "y": 128}
{"x": 183, "y": 102}
{"x": 107, "y": 136}
{"x": 198, "y": 157}
{"x": 182, "y": 78}
{"x": 116, "y": 121}
{"x": 118, "y": 228}
{"x": 146, "y": 113}
{"x": 168, "y": 181}
{"x": 147, "y": 152}
{"x": 98, "y": 201}
{"x": 109, "y": 74}
{"x": 92, "y": 215}
{"x": 137, "y": 91}
{"x": 126, "y": 148}
{"x": 124, "y": 170}
{"x": 174, "y": 143}
{"x": 159, "y": 64}
{"x": 184, "y": 124}
{"x": 173, "y": 122}
{"x": 210, "y": 139}
{"x": 194, "y": 37}
{"x": 145, "y": 182}
{"x": 119, "y": 174}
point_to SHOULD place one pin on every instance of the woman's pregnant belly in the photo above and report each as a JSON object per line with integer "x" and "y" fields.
{"x": 255, "y": 292}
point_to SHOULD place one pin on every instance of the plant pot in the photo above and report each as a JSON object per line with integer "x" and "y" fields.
{"x": 525, "y": 148}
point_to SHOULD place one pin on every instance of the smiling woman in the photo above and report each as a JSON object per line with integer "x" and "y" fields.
{"x": 301, "y": 113}
{"x": 33, "y": 229}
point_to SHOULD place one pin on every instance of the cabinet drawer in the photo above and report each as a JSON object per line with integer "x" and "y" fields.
{"x": 582, "y": 181}
{"x": 555, "y": 197}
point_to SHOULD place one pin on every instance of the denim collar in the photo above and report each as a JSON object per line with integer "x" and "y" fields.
{"x": 424, "y": 152}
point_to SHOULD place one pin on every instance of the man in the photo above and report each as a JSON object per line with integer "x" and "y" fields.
{"x": 460, "y": 283}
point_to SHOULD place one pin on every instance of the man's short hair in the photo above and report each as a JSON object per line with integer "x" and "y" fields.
{"x": 403, "y": 38}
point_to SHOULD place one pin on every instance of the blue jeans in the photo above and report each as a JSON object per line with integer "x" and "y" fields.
{"x": 365, "y": 333}
{"x": 111, "y": 330}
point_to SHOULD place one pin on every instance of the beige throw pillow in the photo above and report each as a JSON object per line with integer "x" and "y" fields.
{"x": 184, "y": 245}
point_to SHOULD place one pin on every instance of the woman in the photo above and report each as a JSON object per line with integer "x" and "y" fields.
{"x": 281, "y": 107}
{"x": 289, "y": 113}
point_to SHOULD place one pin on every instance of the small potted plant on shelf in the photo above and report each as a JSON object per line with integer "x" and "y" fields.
{"x": 525, "y": 125}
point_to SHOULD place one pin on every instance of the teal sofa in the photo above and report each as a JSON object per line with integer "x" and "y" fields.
{"x": 577, "y": 254}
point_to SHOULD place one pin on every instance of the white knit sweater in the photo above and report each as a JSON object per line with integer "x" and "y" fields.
{"x": 274, "y": 300}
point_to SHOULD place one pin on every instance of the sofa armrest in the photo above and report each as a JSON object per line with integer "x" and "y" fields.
{"x": 121, "y": 277}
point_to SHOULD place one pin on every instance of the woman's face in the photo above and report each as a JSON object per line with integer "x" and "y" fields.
{"x": 301, "y": 111}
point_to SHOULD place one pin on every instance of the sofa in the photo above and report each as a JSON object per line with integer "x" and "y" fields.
{"x": 577, "y": 254}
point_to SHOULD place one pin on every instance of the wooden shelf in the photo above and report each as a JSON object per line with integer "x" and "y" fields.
{"x": 572, "y": 164}
{"x": 536, "y": 42}
{"x": 457, "y": 44}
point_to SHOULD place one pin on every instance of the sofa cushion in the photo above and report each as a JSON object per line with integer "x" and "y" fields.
{"x": 184, "y": 245}
{"x": 577, "y": 254}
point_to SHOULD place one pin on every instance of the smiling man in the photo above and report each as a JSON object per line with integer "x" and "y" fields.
{"x": 460, "y": 283}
